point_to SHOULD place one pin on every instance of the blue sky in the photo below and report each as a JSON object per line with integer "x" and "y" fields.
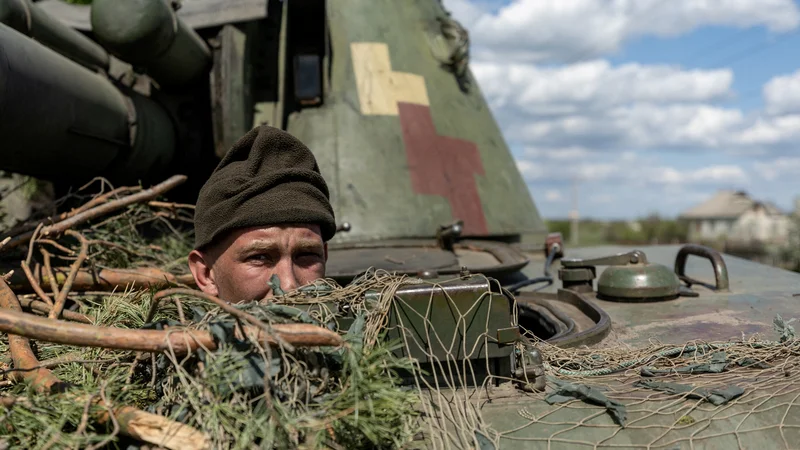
{"x": 649, "y": 106}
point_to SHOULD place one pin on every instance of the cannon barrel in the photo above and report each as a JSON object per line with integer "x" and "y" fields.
{"x": 148, "y": 34}
{"x": 30, "y": 20}
{"x": 59, "y": 120}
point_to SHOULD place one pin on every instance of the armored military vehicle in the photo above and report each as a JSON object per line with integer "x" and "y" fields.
{"x": 423, "y": 184}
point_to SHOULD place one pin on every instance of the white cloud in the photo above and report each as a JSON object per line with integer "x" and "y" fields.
{"x": 635, "y": 126}
{"x": 782, "y": 94}
{"x": 602, "y": 198}
{"x": 560, "y": 154}
{"x": 553, "y": 195}
{"x": 631, "y": 170}
{"x": 596, "y": 86}
{"x": 535, "y": 30}
{"x": 607, "y": 125}
{"x": 574, "y": 110}
{"x": 784, "y": 167}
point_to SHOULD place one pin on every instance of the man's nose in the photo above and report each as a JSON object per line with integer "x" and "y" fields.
{"x": 285, "y": 271}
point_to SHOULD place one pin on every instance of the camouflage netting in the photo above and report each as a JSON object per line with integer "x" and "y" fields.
{"x": 248, "y": 392}
{"x": 723, "y": 395}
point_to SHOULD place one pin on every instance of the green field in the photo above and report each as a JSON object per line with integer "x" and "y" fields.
{"x": 648, "y": 231}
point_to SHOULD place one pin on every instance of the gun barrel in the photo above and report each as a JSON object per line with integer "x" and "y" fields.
{"x": 30, "y": 20}
{"x": 148, "y": 33}
{"x": 59, "y": 120}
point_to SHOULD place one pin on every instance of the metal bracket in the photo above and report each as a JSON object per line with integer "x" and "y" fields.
{"x": 529, "y": 368}
{"x": 447, "y": 235}
{"x": 720, "y": 269}
{"x": 621, "y": 259}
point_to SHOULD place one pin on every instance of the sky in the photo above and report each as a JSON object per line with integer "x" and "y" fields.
{"x": 642, "y": 106}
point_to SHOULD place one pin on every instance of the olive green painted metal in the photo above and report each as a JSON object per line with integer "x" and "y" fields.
{"x": 413, "y": 256}
{"x": 629, "y": 277}
{"x": 30, "y": 20}
{"x": 196, "y": 13}
{"x": 59, "y": 119}
{"x": 379, "y": 90}
{"x": 638, "y": 282}
{"x": 149, "y": 34}
{"x": 363, "y": 156}
{"x": 756, "y": 294}
{"x": 464, "y": 312}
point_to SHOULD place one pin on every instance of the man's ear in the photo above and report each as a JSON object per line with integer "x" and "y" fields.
{"x": 203, "y": 272}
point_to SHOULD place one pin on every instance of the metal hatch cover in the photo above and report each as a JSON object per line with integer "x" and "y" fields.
{"x": 414, "y": 257}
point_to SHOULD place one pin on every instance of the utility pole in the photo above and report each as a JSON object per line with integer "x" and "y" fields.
{"x": 573, "y": 215}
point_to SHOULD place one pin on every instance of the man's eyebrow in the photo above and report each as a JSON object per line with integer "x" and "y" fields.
{"x": 258, "y": 245}
{"x": 307, "y": 245}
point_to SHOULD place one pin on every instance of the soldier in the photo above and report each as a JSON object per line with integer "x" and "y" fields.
{"x": 264, "y": 210}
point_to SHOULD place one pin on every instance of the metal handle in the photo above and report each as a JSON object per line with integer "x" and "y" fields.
{"x": 720, "y": 269}
{"x": 622, "y": 259}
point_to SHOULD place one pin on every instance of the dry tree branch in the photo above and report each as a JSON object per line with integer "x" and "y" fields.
{"x": 56, "y": 245}
{"x": 21, "y": 352}
{"x": 133, "y": 422}
{"x": 107, "y": 280}
{"x": 48, "y": 269}
{"x": 170, "y": 205}
{"x": 101, "y": 210}
{"x": 35, "y": 285}
{"x": 44, "y": 308}
{"x": 181, "y": 341}
{"x": 97, "y": 200}
{"x": 55, "y": 313}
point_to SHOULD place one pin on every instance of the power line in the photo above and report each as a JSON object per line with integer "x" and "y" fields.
{"x": 752, "y": 51}
{"x": 725, "y": 42}
{"x": 588, "y": 50}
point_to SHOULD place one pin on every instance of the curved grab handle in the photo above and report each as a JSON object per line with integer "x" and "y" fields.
{"x": 720, "y": 269}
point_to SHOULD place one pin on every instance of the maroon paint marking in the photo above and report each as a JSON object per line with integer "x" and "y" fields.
{"x": 445, "y": 166}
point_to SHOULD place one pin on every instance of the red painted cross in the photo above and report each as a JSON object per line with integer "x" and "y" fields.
{"x": 444, "y": 166}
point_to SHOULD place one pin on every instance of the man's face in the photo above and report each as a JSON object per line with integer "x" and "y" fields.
{"x": 239, "y": 267}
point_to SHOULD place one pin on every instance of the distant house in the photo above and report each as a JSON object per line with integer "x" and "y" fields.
{"x": 733, "y": 216}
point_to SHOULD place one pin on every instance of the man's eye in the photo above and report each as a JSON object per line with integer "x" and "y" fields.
{"x": 310, "y": 255}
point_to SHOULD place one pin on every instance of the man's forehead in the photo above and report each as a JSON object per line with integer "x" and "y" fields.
{"x": 276, "y": 235}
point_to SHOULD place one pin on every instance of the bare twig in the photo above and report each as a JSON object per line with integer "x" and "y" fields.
{"x": 101, "y": 210}
{"x": 55, "y": 313}
{"x": 56, "y": 245}
{"x": 35, "y": 284}
{"x": 44, "y": 308}
{"x": 30, "y": 247}
{"x": 50, "y": 363}
{"x": 181, "y": 341}
{"x": 97, "y": 200}
{"x": 48, "y": 269}
{"x": 170, "y": 205}
{"x": 21, "y": 352}
{"x": 85, "y": 416}
{"x": 108, "y": 279}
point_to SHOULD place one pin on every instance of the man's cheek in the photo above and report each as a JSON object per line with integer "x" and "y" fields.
{"x": 312, "y": 273}
{"x": 254, "y": 281}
